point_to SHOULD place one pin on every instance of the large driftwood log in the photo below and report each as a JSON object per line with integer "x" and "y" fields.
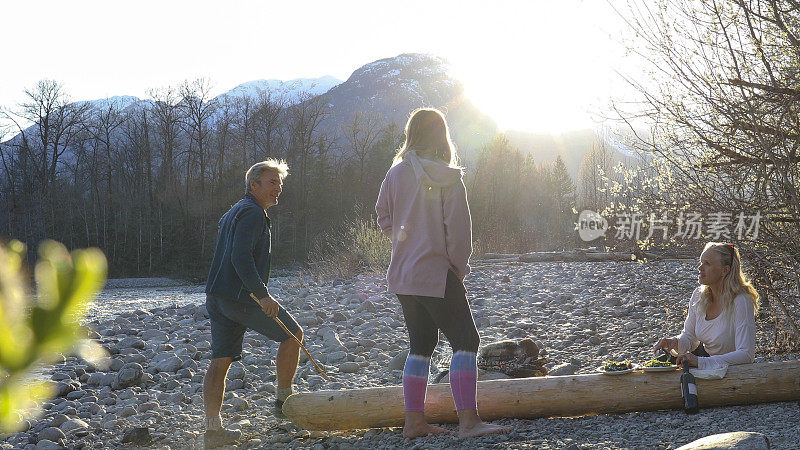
{"x": 531, "y": 398}
{"x": 501, "y": 256}
{"x": 575, "y": 256}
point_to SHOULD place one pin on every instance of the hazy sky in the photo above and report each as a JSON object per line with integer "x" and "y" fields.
{"x": 531, "y": 64}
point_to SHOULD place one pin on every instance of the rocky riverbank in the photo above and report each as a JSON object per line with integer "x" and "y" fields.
{"x": 579, "y": 314}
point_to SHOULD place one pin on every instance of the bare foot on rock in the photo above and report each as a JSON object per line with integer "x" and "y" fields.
{"x": 422, "y": 429}
{"x": 481, "y": 429}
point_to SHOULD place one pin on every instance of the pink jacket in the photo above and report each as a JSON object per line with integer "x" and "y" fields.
{"x": 422, "y": 207}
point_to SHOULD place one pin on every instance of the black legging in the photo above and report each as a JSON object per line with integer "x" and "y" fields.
{"x": 425, "y": 316}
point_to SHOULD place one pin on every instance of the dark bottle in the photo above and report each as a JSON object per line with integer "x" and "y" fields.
{"x": 689, "y": 391}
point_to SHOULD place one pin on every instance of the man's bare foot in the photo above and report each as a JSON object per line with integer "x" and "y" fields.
{"x": 481, "y": 429}
{"x": 421, "y": 429}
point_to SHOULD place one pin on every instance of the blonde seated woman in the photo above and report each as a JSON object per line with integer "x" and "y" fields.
{"x": 720, "y": 327}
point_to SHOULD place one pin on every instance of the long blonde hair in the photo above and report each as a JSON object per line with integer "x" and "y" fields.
{"x": 427, "y": 133}
{"x": 735, "y": 282}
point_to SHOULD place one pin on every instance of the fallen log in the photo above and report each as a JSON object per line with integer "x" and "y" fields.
{"x": 501, "y": 256}
{"x": 575, "y": 256}
{"x": 562, "y": 396}
{"x": 609, "y": 256}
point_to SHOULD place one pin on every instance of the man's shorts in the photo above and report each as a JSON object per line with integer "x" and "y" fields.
{"x": 230, "y": 319}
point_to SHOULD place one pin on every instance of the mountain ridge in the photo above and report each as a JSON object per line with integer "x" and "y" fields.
{"x": 388, "y": 89}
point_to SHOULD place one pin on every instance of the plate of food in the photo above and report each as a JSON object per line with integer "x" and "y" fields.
{"x": 617, "y": 368}
{"x": 655, "y": 365}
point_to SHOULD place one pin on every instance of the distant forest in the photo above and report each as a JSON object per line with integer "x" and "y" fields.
{"x": 148, "y": 182}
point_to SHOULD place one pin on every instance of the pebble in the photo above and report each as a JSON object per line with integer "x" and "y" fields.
{"x": 73, "y": 425}
{"x": 349, "y": 367}
{"x": 148, "y": 406}
{"x": 562, "y": 369}
{"x": 46, "y": 444}
{"x": 128, "y": 375}
{"x": 399, "y": 360}
{"x": 166, "y": 362}
{"x": 236, "y": 372}
{"x": 52, "y": 434}
{"x": 734, "y": 440}
{"x": 137, "y": 436}
{"x": 131, "y": 342}
{"x": 240, "y": 404}
{"x": 57, "y": 419}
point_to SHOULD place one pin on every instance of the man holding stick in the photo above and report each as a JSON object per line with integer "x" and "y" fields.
{"x": 240, "y": 268}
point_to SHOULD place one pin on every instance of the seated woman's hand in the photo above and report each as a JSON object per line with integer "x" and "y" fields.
{"x": 666, "y": 344}
{"x": 689, "y": 358}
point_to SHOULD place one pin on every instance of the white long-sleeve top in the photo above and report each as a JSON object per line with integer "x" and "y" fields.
{"x": 728, "y": 338}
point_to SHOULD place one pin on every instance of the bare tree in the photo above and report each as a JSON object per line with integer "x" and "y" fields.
{"x": 270, "y": 109}
{"x": 244, "y": 108}
{"x": 724, "y": 108}
{"x": 224, "y": 129}
{"x": 106, "y": 118}
{"x": 304, "y": 121}
{"x": 8, "y": 185}
{"x": 361, "y": 133}
{"x": 139, "y": 154}
{"x": 198, "y": 108}
{"x": 595, "y": 164}
{"x": 166, "y": 117}
{"x": 57, "y": 125}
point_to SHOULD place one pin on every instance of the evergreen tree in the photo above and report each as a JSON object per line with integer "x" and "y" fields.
{"x": 564, "y": 196}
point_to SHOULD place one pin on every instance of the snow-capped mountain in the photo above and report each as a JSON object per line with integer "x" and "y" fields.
{"x": 392, "y": 87}
{"x": 292, "y": 88}
{"x": 395, "y": 86}
{"x": 388, "y": 89}
{"x": 120, "y": 102}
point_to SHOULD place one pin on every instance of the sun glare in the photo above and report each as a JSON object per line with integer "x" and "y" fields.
{"x": 554, "y": 73}
{"x": 532, "y": 103}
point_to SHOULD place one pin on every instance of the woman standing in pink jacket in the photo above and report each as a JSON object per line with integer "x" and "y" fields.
{"x": 422, "y": 207}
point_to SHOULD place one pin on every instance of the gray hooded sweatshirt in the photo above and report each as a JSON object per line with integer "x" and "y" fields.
{"x": 422, "y": 207}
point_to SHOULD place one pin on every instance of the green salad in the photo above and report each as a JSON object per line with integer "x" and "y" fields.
{"x": 617, "y": 366}
{"x": 657, "y": 363}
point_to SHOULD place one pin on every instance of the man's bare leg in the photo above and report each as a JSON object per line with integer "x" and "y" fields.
{"x": 213, "y": 393}
{"x": 287, "y": 360}
{"x": 214, "y": 385}
{"x": 471, "y": 425}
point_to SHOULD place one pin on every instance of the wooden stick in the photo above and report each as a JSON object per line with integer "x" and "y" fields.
{"x": 280, "y": 322}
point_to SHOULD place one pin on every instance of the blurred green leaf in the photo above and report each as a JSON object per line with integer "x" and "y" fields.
{"x": 52, "y": 270}
{"x": 89, "y": 276}
{"x": 15, "y": 337}
{"x": 35, "y": 332}
{"x": 20, "y": 399}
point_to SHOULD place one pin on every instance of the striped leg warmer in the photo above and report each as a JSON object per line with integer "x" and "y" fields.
{"x": 464, "y": 380}
{"x": 415, "y": 382}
